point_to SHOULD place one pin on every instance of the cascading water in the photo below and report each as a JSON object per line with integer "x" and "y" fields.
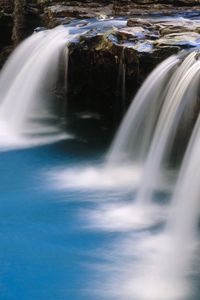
{"x": 161, "y": 264}
{"x": 151, "y": 264}
{"x": 134, "y": 136}
{"x": 182, "y": 94}
{"x": 26, "y": 83}
{"x": 170, "y": 258}
{"x": 146, "y": 135}
{"x": 181, "y": 232}
{"x": 183, "y": 220}
{"x": 160, "y": 267}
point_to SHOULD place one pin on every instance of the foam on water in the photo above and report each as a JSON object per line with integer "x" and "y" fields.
{"x": 159, "y": 262}
{"x": 96, "y": 177}
{"x": 122, "y": 217}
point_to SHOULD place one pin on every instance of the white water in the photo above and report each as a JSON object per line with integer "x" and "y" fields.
{"x": 168, "y": 260}
{"x": 147, "y": 265}
{"x": 96, "y": 178}
{"x": 177, "y": 94}
{"x": 159, "y": 265}
{"x": 134, "y": 136}
{"x": 154, "y": 268}
{"x": 182, "y": 94}
{"x": 27, "y": 82}
{"x": 178, "y": 256}
{"x": 178, "y": 84}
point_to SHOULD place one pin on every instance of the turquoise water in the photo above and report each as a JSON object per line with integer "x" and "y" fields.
{"x": 45, "y": 252}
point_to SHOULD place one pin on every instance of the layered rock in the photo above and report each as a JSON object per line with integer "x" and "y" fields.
{"x": 102, "y": 65}
{"x": 59, "y": 12}
{"x": 55, "y": 12}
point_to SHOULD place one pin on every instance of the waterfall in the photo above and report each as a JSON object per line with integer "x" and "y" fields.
{"x": 183, "y": 219}
{"x": 170, "y": 258}
{"x": 134, "y": 136}
{"x": 27, "y": 82}
{"x": 163, "y": 264}
{"x": 182, "y": 224}
{"x": 148, "y": 130}
{"x": 182, "y": 94}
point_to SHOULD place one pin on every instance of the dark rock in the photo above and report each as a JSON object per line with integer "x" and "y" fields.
{"x": 96, "y": 63}
{"x": 4, "y": 53}
{"x": 7, "y": 6}
{"x": 6, "y": 24}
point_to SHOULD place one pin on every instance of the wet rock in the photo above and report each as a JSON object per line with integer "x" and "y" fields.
{"x": 183, "y": 39}
{"x": 99, "y": 61}
{"x": 170, "y": 32}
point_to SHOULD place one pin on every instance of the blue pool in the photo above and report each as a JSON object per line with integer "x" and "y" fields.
{"x": 45, "y": 253}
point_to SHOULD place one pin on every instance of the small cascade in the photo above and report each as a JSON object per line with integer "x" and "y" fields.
{"x": 27, "y": 82}
{"x": 170, "y": 258}
{"x": 164, "y": 264}
{"x": 182, "y": 95}
{"x": 184, "y": 211}
{"x": 149, "y": 128}
{"x": 134, "y": 136}
{"x": 145, "y": 140}
{"x": 182, "y": 228}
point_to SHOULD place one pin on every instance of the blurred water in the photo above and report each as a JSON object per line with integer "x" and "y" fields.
{"x": 45, "y": 252}
{"x": 70, "y": 227}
